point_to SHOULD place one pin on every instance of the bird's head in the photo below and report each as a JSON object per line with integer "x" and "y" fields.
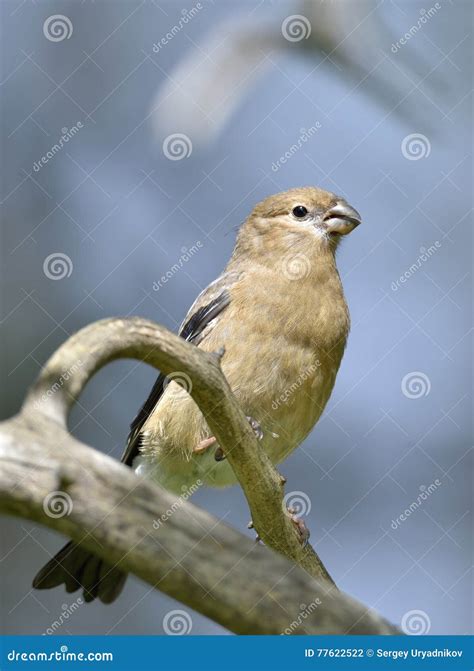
{"x": 304, "y": 221}
{"x": 306, "y": 213}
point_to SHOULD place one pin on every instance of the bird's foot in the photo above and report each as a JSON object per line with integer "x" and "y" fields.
{"x": 219, "y": 454}
{"x": 204, "y": 445}
{"x": 257, "y": 537}
{"x": 301, "y": 528}
{"x": 257, "y": 429}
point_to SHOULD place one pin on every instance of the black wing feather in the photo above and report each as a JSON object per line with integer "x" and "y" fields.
{"x": 192, "y": 330}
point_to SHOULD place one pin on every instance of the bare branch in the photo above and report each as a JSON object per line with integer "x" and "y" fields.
{"x": 192, "y": 557}
{"x": 104, "y": 341}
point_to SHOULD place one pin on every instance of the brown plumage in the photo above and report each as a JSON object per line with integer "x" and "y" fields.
{"x": 279, "y": 311}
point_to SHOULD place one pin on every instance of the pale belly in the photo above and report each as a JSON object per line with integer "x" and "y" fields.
{"x": 286, "y": 416}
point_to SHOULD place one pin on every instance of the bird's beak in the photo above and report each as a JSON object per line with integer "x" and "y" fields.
{"x": 341, "y": 218}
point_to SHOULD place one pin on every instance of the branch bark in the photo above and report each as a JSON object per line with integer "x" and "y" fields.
{"x": 193, "y": 557}
{"x": 110, "y": 339}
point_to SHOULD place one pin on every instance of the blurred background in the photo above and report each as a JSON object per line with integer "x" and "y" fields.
{"x": 136, "y": 137}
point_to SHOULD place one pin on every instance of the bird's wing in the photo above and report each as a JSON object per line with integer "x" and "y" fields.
{"x": 206, "y": 308}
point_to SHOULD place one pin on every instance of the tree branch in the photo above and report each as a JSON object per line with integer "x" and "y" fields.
{"x": 193, "y": 557}
{"x": 104, "y": 341}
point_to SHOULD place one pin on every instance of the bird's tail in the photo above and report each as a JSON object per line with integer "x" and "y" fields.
{"x": 76, "y": 567}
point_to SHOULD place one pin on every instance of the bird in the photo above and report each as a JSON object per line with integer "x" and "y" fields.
{"x": 279, "y": 314}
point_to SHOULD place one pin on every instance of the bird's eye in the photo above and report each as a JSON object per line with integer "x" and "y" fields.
{"x": 300, "y": 211}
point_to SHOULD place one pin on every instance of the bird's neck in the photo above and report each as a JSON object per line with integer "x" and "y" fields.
{"x": 301, "y": 293}
{"x": 291, "y": 257}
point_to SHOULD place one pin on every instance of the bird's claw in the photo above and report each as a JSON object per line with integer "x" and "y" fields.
{"x": 301, "y": 528}
{"x": 251, "y": 526}
{"x": 204, "y": 445}
{"x": 257, "y": 429}
{"x": 219, "y": 454}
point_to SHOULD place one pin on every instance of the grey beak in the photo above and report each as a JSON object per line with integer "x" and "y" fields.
{"x": 341, "y": 218}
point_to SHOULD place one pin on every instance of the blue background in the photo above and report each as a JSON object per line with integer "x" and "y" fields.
{"x": 122, "y": 212}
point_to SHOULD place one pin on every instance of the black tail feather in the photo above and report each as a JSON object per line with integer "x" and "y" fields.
{"x": 76, "y": 567}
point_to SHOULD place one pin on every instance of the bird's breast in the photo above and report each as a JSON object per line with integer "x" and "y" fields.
{"x": 283, "y": 353}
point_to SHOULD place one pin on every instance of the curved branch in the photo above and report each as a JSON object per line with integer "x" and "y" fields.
{"x": 193, "y": 557}
{"x": 96, "y": 345}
